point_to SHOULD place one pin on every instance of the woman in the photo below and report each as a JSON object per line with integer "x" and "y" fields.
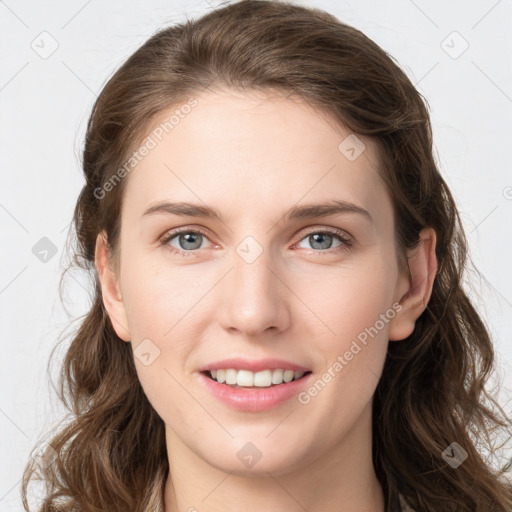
{"x": 313, "y": 348}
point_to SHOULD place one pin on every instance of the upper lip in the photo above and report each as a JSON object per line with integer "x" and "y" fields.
{"x": 253, "y": 365}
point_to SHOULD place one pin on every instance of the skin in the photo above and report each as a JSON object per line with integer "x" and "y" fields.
{"x": 253, "y": 156}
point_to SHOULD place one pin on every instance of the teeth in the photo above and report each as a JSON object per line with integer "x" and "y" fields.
{"x": 246, "y": 378}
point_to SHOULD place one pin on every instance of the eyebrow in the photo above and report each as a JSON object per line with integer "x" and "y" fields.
{"x": 295, "y": 213}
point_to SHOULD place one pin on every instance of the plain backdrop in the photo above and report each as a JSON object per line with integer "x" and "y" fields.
{"x": 57, "y": 55}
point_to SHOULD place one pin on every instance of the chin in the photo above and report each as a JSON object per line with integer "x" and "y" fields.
{"x": 255, "y": 458}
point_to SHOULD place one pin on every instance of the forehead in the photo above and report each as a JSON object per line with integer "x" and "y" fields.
{"x": 253, "y": 150}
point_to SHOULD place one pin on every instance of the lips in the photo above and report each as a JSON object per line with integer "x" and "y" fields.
{"x": 253, "y": 399}
{"x": 254, "y": 365}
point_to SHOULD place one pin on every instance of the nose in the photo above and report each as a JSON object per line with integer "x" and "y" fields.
{"x": 255, "y": 297}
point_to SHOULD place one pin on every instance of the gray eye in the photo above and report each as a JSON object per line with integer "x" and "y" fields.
{"x": 320, "y": 241}
{"x": 189, "y": 241}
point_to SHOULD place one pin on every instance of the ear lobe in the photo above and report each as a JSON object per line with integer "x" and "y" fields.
{"x": 110, "y": 288}
{"x": 422, "y": 262}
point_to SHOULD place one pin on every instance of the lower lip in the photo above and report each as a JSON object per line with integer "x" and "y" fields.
{"x": 254, "y": 399}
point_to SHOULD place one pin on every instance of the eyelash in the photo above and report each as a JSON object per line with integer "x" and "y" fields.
{"x": 346, "y": 242}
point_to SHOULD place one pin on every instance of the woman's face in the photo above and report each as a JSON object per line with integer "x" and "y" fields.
{"x": 270, "y": 279}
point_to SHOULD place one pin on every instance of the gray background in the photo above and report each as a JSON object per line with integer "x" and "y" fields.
{"x": 45, "y": 99}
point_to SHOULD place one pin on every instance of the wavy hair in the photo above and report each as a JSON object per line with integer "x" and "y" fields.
{"x": 111, "y": 455}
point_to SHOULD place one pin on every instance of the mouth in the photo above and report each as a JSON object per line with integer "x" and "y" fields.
{"x": 245, "y": 379}
{"x": 262, "y": 390}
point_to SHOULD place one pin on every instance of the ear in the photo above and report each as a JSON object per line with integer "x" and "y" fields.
{"x": 415, "y": 287}
{"x": 110, "y": 288}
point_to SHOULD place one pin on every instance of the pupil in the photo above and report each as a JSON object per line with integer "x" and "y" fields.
{"x": 324, "y": 236}
{"x": 188, "y": 238}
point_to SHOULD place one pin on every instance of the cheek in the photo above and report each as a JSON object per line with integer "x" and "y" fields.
{"x": 346, "y": 302}
{"x": 159, "y": 304}
{"x": 350, "y": 331}
{"x": 160, "y": 298}
{"x": 166, "y": 312}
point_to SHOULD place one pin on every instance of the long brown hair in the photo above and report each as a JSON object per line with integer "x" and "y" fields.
{"x": 111, "y": 455}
